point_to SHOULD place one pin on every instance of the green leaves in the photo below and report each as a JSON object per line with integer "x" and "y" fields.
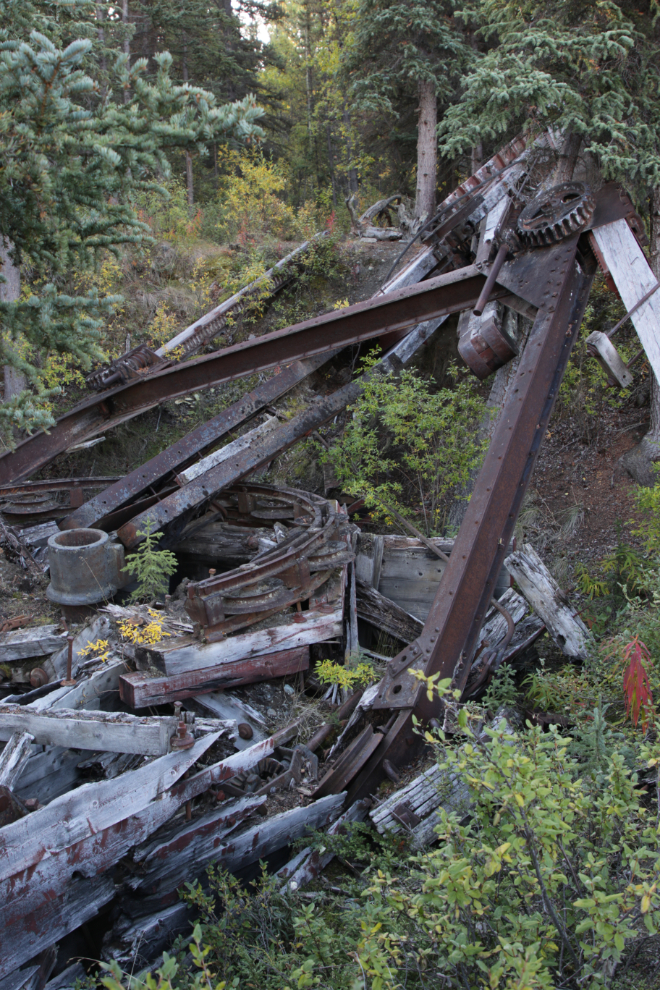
{"x": 153, "y": 568}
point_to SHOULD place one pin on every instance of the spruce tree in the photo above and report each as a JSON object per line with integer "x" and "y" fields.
{"x": 402, "y": 49}
{"x": 74, "y": 153}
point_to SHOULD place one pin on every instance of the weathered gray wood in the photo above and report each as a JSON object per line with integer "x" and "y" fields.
{"x": 66, "y": 980}
{"x": 230, "y": 450}
{"x": 115, "y": 732}
{"x": 549, "y": 601}
{"x": 495, "y": 626}
{"x": 185, "y": 653}
{"x": 99, "y": 628}
{"x": 87, "y": 693}
{"x": 23, "y": 979}
{"x": 35, "y": 641}
{"x": 90, "y": 809}
{"x": 135, "y": 944}
{"x": 224, "y": 705}
{"x": 386, "y": 615}
{"x": 316, "y": 861}
{"x": 22, "y": 937}
{"x": 412, "y": 808}
{"x": 409, "y": 573}
{"x": 244, "y": 848}
{"x": 609, "y": 358}
{"x": 633, "y": 278}
{"x": 14, "y": 757}
{"x": 49, "y": 774}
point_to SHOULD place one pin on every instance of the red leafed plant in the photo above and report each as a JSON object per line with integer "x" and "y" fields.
{"x": 636, "y": 687}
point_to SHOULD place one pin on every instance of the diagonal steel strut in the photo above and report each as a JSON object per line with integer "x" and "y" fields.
{"x": 468, "y": 581}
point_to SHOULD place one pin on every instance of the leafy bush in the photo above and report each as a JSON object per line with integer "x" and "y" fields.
{"x": 406, "y": 440}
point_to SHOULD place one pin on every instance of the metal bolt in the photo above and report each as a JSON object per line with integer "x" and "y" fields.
{"x": 69, "y": 681}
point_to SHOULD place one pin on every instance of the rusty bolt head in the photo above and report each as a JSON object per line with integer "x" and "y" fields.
{"x": 182, "y": 739}
{"x": 38, "y": 677}
{"x": 245, "y": 731}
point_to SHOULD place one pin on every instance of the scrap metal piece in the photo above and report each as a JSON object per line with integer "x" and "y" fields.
{"x": 125, "y": 368}
{"x": 487, "y": 348}
{"x": 84, "y": 567}
{"x": 406, "y": 307}
{"x": 557, "y": 213}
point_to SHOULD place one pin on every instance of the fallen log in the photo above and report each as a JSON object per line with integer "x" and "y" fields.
{"x": 139, "y": 690}
{"x": 549, "y": 601}
{"x": 412, "y": 808}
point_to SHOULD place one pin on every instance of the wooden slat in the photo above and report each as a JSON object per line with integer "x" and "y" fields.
{"x": 90, "y": 809}
{"x": 14, "y": 757}
{"x": 633, "y": 278}
{"x": 185, "y": 654}
{"x": 139, "y": 690}
{"x": 385, "y": 614}
{"x": 549, "y": 601}
{"x": 36, "y": 641}
{"x": 113, "y": 732}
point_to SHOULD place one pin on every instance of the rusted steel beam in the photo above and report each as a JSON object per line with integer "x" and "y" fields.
{"x": 55, "y": 485}
{"x": 140, "y": 691}
{"x": 450, "y": 293}
{"x": 467, "y": 583}
{"x": 177, "y": 506}
{"x": 189, "y": 448}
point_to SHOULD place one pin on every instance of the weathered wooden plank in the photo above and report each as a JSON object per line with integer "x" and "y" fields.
{"x": 87, "y": 694}
{"x": 66, "y": 908}
{"x": 48, "y": 774}
{"x": 115, "y": 732}
{"x": 35, "y": 641}
{"x": 316, "y": 861}
{"x": 229, "y": 450}
{"x": 495, "y": 626}
{"x": 14, "y": 757}
{"x": 139, "y": 690}
{"x": 66, "y": 980}
{"x": 243, "y": 849}
{"x": 412, "y": 808}
{"x": 90, "y": 809}
{"x": 549, "y": 601}
{"x": 224, "y": 705}
{"x": 385, "y": 614}
{"x": 136, "y": 944}
{"x": 633, "y": 278}
{"x": 184, "y": 653}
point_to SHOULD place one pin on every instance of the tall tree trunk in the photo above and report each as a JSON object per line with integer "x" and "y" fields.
{"x": 126, "y": 44}
{"x": 10, "y": 291}
{"x": 568, "y": 157}
{"x": 427, "y": 150}
{"x": 100, "y": 33}
{"x": 639, "y": 461}
{"x": 352, "y": 174}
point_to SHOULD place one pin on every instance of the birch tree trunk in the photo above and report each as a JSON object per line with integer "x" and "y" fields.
{"x": 639, "y": 461}
{"x": 427, "y": 150}
{"x": 10, "y": 291}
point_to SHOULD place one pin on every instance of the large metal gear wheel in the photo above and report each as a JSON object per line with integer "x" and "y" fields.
{"x": 556, "y": 213}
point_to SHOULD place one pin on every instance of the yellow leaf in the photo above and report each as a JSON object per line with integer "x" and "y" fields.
{"x": 646, "y": 903}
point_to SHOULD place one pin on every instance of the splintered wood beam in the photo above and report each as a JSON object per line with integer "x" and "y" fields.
{"x": 39, "y": 641}
{"x": 90, "y": 809}
{"x": 139, "y": 690}
{"x": 549, "y": 601}
{"x": 633, "y": 278}
{"x": 315, "y": 862}
{"x": 171, "y": 871}
{"x": 114, "y": 732}
{"x": 184, "y": 654}
{"x": 385, "y": 614}
{"x": 14, "y": 757}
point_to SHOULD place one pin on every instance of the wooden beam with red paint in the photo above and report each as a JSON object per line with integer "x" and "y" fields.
{"x": 140, "y": 691}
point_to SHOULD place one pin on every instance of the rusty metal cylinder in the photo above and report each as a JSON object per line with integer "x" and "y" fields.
{"x": 85, "y": 567}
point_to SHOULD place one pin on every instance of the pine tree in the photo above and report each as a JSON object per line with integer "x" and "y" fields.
{"x": 402, "y": 49}
{"x": 74, "y": 153}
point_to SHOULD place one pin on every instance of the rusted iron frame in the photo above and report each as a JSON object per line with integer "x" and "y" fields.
{"x": 468, "y": 580}
{"x": 54, "y": 485}
{"x": 173, "y": 512}
{"x": 446, "y": 294}
{"x": 101, "y": 511}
